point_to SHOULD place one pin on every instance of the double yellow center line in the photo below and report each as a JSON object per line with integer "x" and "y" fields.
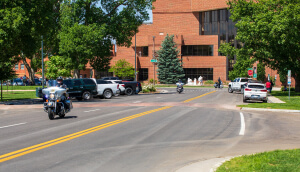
{"x": 24, "y": 151}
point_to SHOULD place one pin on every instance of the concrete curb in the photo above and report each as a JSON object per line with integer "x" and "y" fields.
{"x": 272, "y": 110}
{"x": 210, "y": 165}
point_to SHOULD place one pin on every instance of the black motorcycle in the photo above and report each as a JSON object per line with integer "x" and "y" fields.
{"x": 179, "y": 88}
{"x": 56, "y": 101}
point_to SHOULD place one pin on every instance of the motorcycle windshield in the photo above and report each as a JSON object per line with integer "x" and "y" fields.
{"x": 51, "y": 83}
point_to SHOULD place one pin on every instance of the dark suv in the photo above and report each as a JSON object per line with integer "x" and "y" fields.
{"x": 81, "y": 88}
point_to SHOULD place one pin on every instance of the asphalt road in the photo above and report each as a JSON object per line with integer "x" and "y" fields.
{"x": 145, "y": 132}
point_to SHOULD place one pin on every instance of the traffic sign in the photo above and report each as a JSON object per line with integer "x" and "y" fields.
{"x": 250, "y": 72}
{"x": 289, "y": 77}
{"x": 254, "y": 75}
{"x": 153, "y": 60}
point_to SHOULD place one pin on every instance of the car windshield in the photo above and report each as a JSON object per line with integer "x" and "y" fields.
{"x": 244, "y": 80}
{"x": 51, "y": 83}
{"x": 17, "y": 80}
{"x": 256, "y": 86}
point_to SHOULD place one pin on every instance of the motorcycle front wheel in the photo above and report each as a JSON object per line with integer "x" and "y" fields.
{"x": 50, "y": 114}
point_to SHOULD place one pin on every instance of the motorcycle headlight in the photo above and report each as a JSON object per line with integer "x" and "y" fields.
{"x": 51, "y": 96}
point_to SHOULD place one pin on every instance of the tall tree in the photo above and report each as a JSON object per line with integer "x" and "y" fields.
{"x": 11, "y": 23}
{"x": 123, "y": 69}
{"x": 41, "y": 19}
{"x": 169, "y": 66}
{"x": 89, "y": 26}
{"x": 270, "y": 31}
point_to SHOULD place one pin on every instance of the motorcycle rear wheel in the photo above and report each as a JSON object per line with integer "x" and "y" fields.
{"x": 50, "y": 114}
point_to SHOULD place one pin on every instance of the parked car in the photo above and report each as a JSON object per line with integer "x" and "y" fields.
{"x": 132, "y": 87}
{"x": 37, "y": 81}
{"x": 17, "y": 81}
{"x": 110, "y": 78}
{"x": 106, "y": 88}
{"x": 81, "y": 88}
{"x": 255, "y": 91}
{"x": 238, "y": 84}
{"x": 121, "y": 85}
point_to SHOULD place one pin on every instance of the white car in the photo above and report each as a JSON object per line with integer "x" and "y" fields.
{"x": 255, "y": 91}
{"x": 121, "y": 85}
{"x": 106, "y": 89}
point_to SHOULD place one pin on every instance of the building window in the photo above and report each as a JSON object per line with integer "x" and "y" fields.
{"x": 214, "y": 23}
{"x": 206, "y": 24}
{"x": 142, "y": 51}
{"x": 17, "y": 67}
{"x": 22, "y": 66}
{"x": 192, "y": 73}
{"x": 143, "y": 74}
{"x": 197, "y": 50}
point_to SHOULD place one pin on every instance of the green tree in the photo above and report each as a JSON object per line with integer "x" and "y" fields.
{"x": 89, "y": 26}
{"x": 21, "y": 25}
{"x": 169, "y": 66}
{"x": 123, "y": 69}
{"x": 261, "y": 72}
{"x": 40, "y": 18}
{"x": 57, "y": 66}
{"x": 270, "y": 31}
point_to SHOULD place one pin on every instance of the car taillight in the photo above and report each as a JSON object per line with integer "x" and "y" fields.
{"x": 123, "y": 85}
{"x": 137, "y": 85}
{"x": 118, "y": 86}
{"x": 247, "y": 89}
{"x": 264, "y": 90}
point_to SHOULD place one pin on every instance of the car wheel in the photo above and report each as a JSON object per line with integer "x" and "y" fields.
{"x": 107, "y": 94}
{"x": 265, "y": 101}
{"x": 86, "y": 95}
{"x": 244, "y": 100}
{"x": 128, "y": 91}
{"x": 230, "y": 90}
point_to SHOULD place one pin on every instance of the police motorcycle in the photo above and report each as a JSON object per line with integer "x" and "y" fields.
{"x": 56, "y": 101}
{"x": 179, "y": 88}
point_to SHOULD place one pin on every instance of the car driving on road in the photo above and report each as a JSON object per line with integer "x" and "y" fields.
{"x": 255, "y": 91}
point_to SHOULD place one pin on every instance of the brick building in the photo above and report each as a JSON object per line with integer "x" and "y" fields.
{"x": 199, "y": 26}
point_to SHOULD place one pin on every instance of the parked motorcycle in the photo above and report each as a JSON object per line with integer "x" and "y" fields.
{"x": 56, "y": 101}
{"x": 179, "y": 88}
{"x": 216, "y": 85}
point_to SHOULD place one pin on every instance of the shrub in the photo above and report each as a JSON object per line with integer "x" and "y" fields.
{"x": 209, "y": 82}
{"x": 151, "y": 81}
{"x": 149, "y": 88}
{"x": 287, "y": 88}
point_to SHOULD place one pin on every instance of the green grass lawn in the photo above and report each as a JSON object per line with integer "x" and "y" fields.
{"x": 18, "y": 95}
{"x": 4, "y": 87}
{"x": 279, "y": 161}
{"x": 292, "y": 104}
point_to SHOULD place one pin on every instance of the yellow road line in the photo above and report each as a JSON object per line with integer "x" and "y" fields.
{"x": 40, "y": 146}
{"x": 186, "y": 101}
{"x": 24, "y": 151}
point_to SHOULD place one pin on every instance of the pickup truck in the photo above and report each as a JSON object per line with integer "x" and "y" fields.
{"x": 238, "y": 84}
{"x": 132, "y": 87}
{"x": 106, "y": 89}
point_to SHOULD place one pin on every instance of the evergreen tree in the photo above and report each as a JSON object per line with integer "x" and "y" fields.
{"x": 169, "y": 66}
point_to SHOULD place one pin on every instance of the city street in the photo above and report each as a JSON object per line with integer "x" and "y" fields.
{"x": 145, "y": 132}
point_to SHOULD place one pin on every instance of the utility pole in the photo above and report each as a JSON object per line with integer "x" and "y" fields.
{"x": 42, "y": 64}
{"x": 135, "y": 58}
{"x": 153, "y": 62}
